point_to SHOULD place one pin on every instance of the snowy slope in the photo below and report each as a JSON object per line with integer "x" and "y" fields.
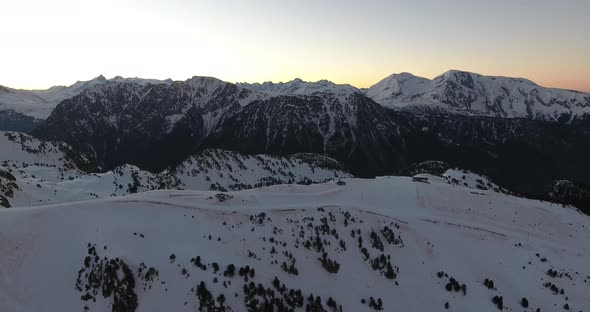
{"x": 40, "y": 103}
{"x": 27, "y": 164}
{"x": 397, "y": 89}
{"x": 173, "y": 251}
{"x": 230, "y": 171}
{"x": 21, "y": 149}
{"x": 34, "y": 172}
{"x": 473, "y": 94}
{"x": 453, "y": 176}
{"x": 39, "y": 185}
{"x": 472, "y": 180}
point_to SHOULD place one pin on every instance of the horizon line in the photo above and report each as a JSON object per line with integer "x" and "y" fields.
{"x": 293, "y": 79}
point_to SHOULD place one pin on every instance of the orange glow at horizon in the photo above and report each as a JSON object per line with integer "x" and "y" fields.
{"x": 59, "y": 42}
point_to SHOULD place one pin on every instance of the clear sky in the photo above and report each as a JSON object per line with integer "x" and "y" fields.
{"x": 57, "y": 42}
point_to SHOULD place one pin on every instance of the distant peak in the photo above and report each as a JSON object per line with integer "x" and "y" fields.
{"x": 209, "y": 83}
{"x": 298, "y": 86}
{"x": 402, "y": 76}
{"x": 203, "y": 78}
{"x": 462, "y": 74}
{"x": 299, "y": 81}
{"x": 398, "y": 77}
{"x": 455, "y": 72}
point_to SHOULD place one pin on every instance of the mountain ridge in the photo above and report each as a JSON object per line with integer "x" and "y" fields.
{"x": 35, "y": 172}
{"x": 155, "y": 125}
{"x": 456, "y": 91}
{"x": 466, "y": 93}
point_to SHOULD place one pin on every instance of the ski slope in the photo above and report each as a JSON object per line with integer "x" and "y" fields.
{"x": 140, "y": 247}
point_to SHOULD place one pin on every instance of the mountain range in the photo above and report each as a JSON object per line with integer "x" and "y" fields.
{"x": 23, "y": 110}
{"x": 522, "y": 135}
{"x": 455, "y": 91}
{"x": 144, "y": 195}
{"x": 477, "y": 95}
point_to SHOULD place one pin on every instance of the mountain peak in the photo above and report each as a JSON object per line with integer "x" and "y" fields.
{"x": 456, "y": 71}
{"x": 203, "y": 79}
{"x": 402, "y": 76}
{"x": 298, "y": 86}
{"x": 459, "y": 74}
{"x": 395, "y": 85}
{"x": 208, "y": 83}
{"x": 468, "y": 93}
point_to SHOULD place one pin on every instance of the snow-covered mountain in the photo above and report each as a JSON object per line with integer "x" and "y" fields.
{"x": 473, "y": 94}
{"x": 23, "y": 110}
{"x": 360, "y": 245}
{"x": 452, "y": 92}
{"x": 34, "y": 172}
{"x": 153, "y": 126}
{"x": 231, "y": 217}
{"x": 300, "y": 87}
{"x": 144, "y": 121}
{"x": 40, "y": 103}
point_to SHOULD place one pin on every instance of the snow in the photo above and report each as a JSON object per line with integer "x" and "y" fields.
{"x": 300, "y": 87}
{"x": 488, "y": 96}
{"x": 460, "y": 223}
{"x": 444, "y": 228}
{"x": 473, "y": 94}
{"x": 406, "y": 84}
{"x": 472, "y": 180}
{"x": 40, "y": 185}
{"x": 233, "y": 171}
{"x": 20, "y": 148}
{"x": 45, "y": 175}
{"x": 40, "y": 103}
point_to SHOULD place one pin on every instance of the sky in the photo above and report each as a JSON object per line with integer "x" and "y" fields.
{"x": 58, "y": 42}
